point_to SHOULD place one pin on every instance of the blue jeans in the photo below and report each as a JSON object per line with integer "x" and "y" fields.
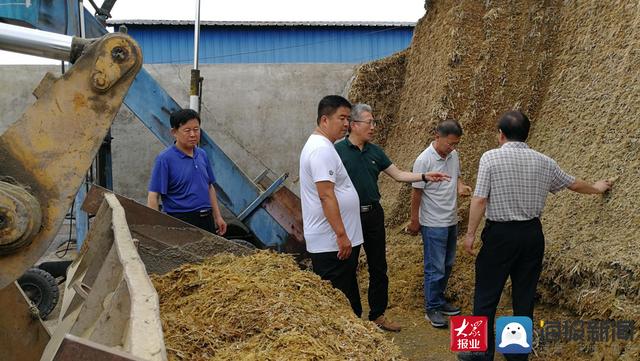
{"x": 439, "y": 255}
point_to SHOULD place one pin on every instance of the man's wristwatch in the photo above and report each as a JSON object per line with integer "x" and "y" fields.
{"x": 424, "y": 178}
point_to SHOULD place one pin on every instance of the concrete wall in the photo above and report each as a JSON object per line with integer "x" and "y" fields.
{"x": 259, "y": 114}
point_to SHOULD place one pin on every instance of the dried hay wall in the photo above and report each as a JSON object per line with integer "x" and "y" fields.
{"x": 471, "y": 62}
{"x": 381, "y": 83}
{"x": 261, "y": 307}
{"x": 574, "y": 68}
{"x": 590, "y": 123}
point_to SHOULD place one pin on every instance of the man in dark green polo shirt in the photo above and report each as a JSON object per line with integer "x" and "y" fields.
{"x": 364, "y": 161}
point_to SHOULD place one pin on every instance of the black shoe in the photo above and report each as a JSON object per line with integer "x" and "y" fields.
{"x": 473, "y": 356}
{"x": 449, "y": 309}
{"x": 436, "y": 318}
{"x": 468, "y": 356}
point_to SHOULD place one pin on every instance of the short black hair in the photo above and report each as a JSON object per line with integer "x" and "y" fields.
{"x": 514, "y": 125}
{"x": 448, "y": 127}
{"x": 330, "y": 104}
{"x": 179, "y": 117}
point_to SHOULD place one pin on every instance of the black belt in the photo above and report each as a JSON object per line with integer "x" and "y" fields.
{"x": 204, "y": 212}
{"x": 535, "y": 219}
{"x": 201, "y": 213}
{"x": 368, "y": 207}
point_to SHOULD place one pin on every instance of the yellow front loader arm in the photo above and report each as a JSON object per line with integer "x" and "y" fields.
{"x": 45, "y": 155}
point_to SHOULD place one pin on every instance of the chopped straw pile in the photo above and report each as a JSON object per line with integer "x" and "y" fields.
{"x": 574, "y": 68}
{"x": 261, "y": 307}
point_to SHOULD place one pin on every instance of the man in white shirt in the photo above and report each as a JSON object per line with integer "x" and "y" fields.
{"x": 330, "y": 203}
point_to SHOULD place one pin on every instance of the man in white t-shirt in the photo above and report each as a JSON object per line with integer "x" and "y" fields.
{"x": 330, "y": 203}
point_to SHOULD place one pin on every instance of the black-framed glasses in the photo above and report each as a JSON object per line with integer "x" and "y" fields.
{"x": 371, "y": 122}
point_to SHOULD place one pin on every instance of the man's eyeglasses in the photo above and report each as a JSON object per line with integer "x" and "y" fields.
{"x": 371, "y": 122}
{"x": 451, "y": 145}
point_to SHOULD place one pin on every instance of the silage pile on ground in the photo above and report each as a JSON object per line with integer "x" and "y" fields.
{"x": 574, "y": 68}
{"x": 261, "y": 307}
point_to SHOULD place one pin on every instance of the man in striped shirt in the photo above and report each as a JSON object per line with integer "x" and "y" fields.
{"x": 512, "y": 186}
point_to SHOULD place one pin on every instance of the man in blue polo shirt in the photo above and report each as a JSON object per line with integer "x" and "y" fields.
{"x": 182, "y": 177}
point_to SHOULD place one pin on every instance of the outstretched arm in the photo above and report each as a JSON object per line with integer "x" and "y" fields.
{"x": 408, "y": 177}
{"x": 583, "y": 187}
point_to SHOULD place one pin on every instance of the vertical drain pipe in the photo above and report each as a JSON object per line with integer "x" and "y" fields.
{"x": 196, "y": 81}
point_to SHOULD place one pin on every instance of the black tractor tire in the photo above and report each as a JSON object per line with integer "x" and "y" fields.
{"x": 42, "y": 290}
{"x": 57, "y": 269}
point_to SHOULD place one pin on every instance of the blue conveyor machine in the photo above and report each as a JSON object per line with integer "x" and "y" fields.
{"x": 269, "y": 211}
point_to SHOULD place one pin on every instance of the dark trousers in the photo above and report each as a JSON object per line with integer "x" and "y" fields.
{"x": 341, "y": 274}
{"x": 201, "y": 219}
{"x": 509, "y": 249}
{"x": 376, "y": 251}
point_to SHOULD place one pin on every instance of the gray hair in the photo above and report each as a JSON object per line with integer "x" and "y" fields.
{"x": 358, "y": 109}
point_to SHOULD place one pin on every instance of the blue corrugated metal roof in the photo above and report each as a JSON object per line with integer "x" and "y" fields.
{"x": 262, "y": 23}
{"x": 233, "y": 42}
